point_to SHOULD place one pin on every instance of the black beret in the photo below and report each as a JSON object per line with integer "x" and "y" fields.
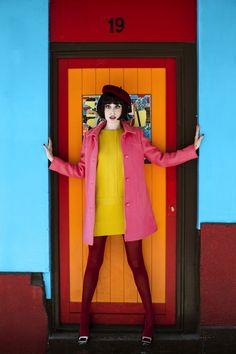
{"x": 117, "y": 91}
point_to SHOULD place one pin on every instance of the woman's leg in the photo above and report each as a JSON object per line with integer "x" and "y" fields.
{"x": 94, "y": 262}
{"x": 135, "y": 259}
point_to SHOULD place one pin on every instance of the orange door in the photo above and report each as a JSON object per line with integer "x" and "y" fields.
{"x": 116, "y": 297}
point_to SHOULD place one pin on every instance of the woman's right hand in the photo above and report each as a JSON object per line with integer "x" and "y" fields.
{"x": 48, "y": 149}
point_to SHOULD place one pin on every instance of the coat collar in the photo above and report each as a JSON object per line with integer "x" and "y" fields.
{"x": 126, "y": 126}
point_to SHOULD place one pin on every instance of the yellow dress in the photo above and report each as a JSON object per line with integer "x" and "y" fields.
{"x": 109, "y": 216}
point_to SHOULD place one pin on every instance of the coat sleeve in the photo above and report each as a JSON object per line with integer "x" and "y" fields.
{"x": 167, "y": 159}
{"x": 68, "y": 169}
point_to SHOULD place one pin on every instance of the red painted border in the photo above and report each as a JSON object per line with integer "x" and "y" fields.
{"x": 128, "y": 313}
{"x": 64, "y": 64}
{"x": 119, "y": 308}
{"x": 155, "y": 21}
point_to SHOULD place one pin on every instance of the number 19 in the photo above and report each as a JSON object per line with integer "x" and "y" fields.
{"x": 117, "y": 24}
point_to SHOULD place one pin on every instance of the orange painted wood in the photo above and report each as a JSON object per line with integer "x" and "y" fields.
{"x": 75, "y": 185}
{"x": 116, "y": 282}
{"x": 158, "y": 248}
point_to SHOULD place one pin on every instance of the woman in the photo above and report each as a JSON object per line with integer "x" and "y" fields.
{"x": 117, "y": 201}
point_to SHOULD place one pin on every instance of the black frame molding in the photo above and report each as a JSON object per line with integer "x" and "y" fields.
{"x": 187, "y": 299}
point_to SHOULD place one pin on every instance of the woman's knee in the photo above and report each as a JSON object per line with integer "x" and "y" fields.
{"x": 96, "y": 254}
{"x": 134, "y": 255}
{"x": 136, "y": 264}
{"x": 95, "y": 263}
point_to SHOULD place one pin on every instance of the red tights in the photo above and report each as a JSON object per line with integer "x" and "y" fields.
{"x": 135, "y": 259}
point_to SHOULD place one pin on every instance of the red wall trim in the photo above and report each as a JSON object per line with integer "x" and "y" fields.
{"x": 153, "y": 21}
{"x": 218, "y": 274}
{"x": 24, "y": 323}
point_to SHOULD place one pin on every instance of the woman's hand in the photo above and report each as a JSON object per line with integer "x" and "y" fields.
{"x": 198, "y": 138}
{"x": 48, "y": 149}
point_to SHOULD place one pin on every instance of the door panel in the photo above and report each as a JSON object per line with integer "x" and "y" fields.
{"x": 116, "y": 295}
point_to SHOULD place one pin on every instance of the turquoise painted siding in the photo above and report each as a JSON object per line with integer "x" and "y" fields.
{"x": 217, "y": 110}
{"x": 23, "y": 128}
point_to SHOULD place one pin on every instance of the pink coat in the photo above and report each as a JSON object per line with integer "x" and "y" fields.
{"x": 139, "y": 218}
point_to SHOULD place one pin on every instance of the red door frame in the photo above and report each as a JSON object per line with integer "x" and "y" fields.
{"x": 69, "y": 312}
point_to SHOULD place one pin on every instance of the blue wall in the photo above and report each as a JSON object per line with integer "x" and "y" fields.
{"x": 24, "y": 236}
{"x": 217, "y": 110}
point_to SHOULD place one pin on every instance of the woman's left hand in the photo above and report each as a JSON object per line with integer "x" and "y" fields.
{"x": 198, "y": 138}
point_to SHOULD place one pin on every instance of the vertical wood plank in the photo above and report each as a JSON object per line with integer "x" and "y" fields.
{"x": 88, "y": 81}
{"x": 130, "y": 80}
{"x": 145, "y": 87}
{"x": 116, "y": 77}
{"x": 159, "y": 187}
{"x": 102, "y": 78}
{"x": 75, "y": 185}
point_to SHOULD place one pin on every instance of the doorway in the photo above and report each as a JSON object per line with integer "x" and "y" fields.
{"x": 163, "y": 74}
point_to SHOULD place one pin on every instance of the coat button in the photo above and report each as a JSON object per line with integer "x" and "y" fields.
{"x": 127, "y": 179}
{"x": 127, "y": 204}
{"x": 126, "y": 156}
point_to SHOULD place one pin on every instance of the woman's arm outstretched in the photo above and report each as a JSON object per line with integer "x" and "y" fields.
{"x": 65, "y": 168}
{"x": 175, "y": 158}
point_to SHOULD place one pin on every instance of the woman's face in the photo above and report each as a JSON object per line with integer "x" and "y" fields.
{"x": 112, "y": 112}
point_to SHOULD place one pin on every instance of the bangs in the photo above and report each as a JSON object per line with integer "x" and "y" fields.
{"x": 109, "y": 98}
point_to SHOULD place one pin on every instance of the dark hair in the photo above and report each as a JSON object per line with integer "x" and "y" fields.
{"x": 107, "y": 98}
